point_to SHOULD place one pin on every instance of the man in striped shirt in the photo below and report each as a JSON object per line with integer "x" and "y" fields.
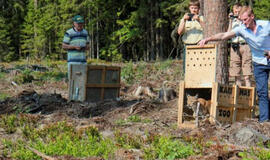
{"x": 76, "y": 42}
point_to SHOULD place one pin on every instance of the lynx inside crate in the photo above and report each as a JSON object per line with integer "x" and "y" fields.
{"x": 228, "y": 103}
{"x": 93, "y": 83}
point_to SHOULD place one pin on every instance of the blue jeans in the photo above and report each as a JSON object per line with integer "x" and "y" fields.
{"x": 261, "y": 74}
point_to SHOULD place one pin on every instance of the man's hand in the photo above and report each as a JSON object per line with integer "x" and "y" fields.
{"x": 230, "y": 15}
{"x": 196, "y": 17}
{"x": 77, "y": 47}
{"x": 186, "y": 17}
{"x": 267, "y": 54}
{"x": 203, "y": 42}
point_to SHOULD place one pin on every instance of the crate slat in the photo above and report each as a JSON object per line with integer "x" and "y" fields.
{"x": 92, "y": 83}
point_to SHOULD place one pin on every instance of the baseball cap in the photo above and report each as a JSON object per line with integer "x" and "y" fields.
{"x": 78, "y": 19}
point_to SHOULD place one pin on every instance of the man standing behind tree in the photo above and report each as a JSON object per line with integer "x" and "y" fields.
{"x": 240, "y": 57}
{"x": 257, "y": 34}
{"x": 76, "y": 42}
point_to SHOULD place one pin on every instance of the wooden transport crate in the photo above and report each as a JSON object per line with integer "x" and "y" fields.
{"x": 92, "y": 83}
{"x": 245, "y": 97}
{"x": 223, "y": 110}
{"x": 229, "y": 104}
{"x": 200, "y": 66}
{"x": 243, "y": 113}
{"x": 225, "y": 114}
{"x": 182, "y": 116}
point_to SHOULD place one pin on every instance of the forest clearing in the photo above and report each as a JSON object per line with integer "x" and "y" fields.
{"x": 170, "y": 83}
{"x": 37, "y": 120}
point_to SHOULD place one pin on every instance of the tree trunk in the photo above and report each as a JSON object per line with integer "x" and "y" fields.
{"x": 215, "y": 16}
{"x": 97, "y": 37}
{"x": 201, "y": 7}
{"x": 35, "y": 31}
{"x": 157, "y": 31}
{"x": 152, "y": 55}
{"x": 148, "y": 30}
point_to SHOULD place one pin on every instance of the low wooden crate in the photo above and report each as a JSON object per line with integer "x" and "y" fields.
{"x": 92, "y": 83}
{"x": 242, "y": 113}
{"x": 226, "y": 95}
{"x": 245, "y": 97}
{"x": 225, "y": 114}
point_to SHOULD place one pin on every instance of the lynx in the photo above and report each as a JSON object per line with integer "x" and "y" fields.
{"x": 204, "y": 107}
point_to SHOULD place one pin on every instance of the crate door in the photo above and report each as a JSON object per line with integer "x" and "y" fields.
{"x": 200, "y": 66}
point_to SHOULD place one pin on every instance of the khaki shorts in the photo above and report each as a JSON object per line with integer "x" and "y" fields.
{"x": 241, "y": 59}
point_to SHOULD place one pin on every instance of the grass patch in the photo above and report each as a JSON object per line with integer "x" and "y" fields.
{"x": 167, "y": 148}
{"x": 2, "y": 75}
{"x": 132, "y": 119}
{"x": 260, "y": 153}
{"x": 54, "y": 139}
{"x": 128, "y": 141}
{"x": 128, "y": 73}
{"x": 3, "y": 96}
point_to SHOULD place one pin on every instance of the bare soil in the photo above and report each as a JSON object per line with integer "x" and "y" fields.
{"x": 49, "y": 101}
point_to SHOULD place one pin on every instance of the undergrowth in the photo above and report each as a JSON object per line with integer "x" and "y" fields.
{"x": 165, "y": 70}
{"x": 54, "y": 139}
{"x": 132, "y": 119}
{"x": 63, "y": 139}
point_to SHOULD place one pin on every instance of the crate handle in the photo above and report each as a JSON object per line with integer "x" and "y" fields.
{"x": 78, "y": 73}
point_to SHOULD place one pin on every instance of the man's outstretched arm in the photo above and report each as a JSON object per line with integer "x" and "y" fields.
{"x": 217, "y": 37}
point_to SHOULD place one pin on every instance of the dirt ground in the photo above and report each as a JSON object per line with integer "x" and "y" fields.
{"x": 54, "y": 107}
{"x": 49, "y": 101}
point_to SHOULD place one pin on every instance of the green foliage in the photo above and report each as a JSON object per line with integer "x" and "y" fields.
{"x": 58, "y": 139}
{"x": 111, "y": 53}
{"x": 262, "y": 9}
{"x": 167, "y": 148}
{"x": 3, "y": 96}
{"x": 6, "y": 50}
{"x": 36, "y": 28}
{"x": 128, "y": 141}
{"x": 53, "y": 75}
{"x": 164, "y": 65}
{"x": 9, "y": 123}
{"x": 128, "y": 73}
{"x": 24, "y": 77}
{"x": 2, "y": 75}
{"x": 260, "y": 153}
{"x": 132, "y": 119}
{"x": 244, "y": 156}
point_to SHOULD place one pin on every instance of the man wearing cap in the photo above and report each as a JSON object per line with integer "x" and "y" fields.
{"x": 76, "y": 42}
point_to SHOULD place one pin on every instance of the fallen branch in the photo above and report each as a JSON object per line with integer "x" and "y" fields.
{"x": 42, "y": 155}
{"x": 132, "y": 107}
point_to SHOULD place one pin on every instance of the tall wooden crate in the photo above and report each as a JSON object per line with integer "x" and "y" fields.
{"x": 200, "y": 66}
{"x": 228, "y": 103}
{"x": 93, "y": 83}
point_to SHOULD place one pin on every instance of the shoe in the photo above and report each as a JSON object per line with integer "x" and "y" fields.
{"x": 266, "y": 122}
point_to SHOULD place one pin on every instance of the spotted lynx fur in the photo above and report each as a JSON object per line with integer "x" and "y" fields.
{"x": 204, "y": 108}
